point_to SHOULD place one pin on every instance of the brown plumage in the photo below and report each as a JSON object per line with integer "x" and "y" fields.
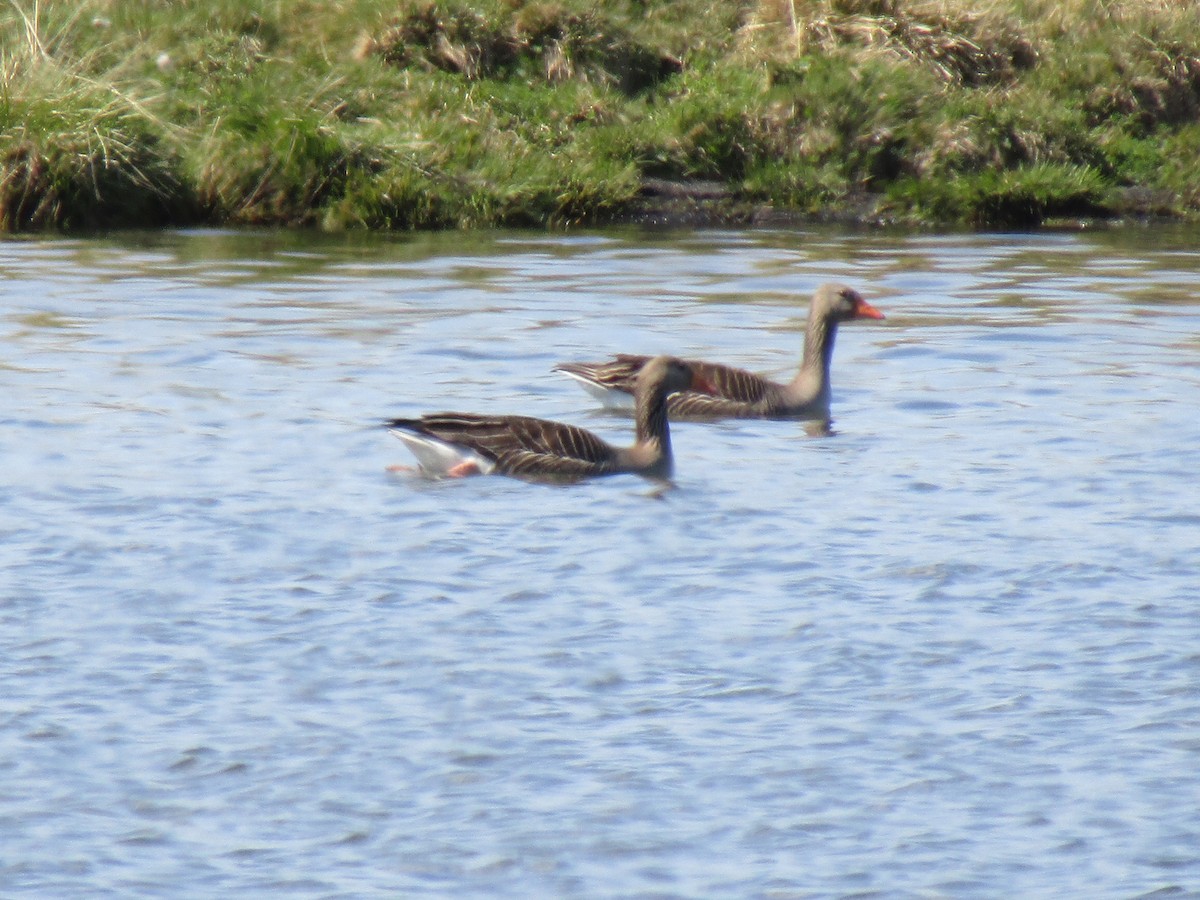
{"x": 742, "y": 394}
{"x": 468, "y": 443}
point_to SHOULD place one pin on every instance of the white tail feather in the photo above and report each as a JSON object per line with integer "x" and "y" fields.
{"x": 436, "y": 458}
{"x": 612, "y": 399}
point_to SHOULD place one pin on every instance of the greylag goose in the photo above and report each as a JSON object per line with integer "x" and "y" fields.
{"x": 742, "y": 394}
{"x": 457, "y": 444}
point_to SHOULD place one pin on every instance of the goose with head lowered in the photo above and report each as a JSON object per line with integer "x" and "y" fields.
{"x": 738, "y": 393}
{"x": 459, "y": 444}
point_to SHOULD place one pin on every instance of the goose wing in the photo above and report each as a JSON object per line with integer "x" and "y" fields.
{"x": 520, "y": 444}
{"x": 731, "y": 384}
{"x": 616, "y": 374}
{"x": 620, "y": 374}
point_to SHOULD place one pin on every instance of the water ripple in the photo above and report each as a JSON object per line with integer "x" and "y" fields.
{"x": 947, "y": 648}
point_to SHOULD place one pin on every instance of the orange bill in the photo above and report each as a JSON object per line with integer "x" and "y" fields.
{"x": 864, "y": 310}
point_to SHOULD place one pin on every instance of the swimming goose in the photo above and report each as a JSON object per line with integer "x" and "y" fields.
{"x": 742, "y": 394}
{"x": 458, "y": 444}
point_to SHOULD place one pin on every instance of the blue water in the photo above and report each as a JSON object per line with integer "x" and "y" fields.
{"x": 950, "y": 650}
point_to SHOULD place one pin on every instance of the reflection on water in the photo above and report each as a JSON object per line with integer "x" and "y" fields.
{"x": 947, "y": 649}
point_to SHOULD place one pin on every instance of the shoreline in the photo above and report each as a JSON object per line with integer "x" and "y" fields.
{"x": 437, "y": 115}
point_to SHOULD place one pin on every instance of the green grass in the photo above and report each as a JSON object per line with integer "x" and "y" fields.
{"x": 421, "y": 114}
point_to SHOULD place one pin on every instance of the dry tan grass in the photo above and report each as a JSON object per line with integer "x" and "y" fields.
{"x": 561, "y": 44}
{"x": 963, "y": 42}
{"x": 954, "y": 40}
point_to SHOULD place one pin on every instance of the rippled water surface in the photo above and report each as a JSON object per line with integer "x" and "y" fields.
{"x": 952, "y": 649}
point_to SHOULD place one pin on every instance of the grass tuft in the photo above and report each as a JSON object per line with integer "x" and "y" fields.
{"x": 537, "y": 41}
{"x": 78, "y": 154}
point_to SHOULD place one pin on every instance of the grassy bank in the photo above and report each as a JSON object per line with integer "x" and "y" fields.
{"x": 444, "y": 114}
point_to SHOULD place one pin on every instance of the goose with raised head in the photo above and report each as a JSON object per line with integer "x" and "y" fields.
{"x": 459, "y": 444}
{"x": 738, "y": 393}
